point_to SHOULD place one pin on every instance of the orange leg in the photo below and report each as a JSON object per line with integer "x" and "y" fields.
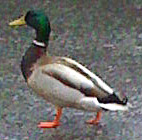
{"x": 96, "y": 120}
{"x": 53, "y": 124}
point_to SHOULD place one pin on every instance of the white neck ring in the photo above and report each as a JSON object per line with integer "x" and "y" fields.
{"x": 39, "y": 43}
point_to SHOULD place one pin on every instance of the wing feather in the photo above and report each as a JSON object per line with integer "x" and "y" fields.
{"x": 76, "y": 76}
{"x": 97, "y": 81}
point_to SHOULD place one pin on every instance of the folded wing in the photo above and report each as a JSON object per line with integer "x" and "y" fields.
{"x": 76, "y": 76}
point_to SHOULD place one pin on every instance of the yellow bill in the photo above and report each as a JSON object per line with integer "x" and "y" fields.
{"x": 18, "y": 22}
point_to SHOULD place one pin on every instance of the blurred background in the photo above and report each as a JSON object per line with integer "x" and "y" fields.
{"x": 103, "y": 35}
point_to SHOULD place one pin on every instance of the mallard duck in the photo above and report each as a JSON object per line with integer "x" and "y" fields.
{"x": 61, "y": 80}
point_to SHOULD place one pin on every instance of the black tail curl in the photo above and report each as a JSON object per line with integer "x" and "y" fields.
{"x": 113, "y": 99}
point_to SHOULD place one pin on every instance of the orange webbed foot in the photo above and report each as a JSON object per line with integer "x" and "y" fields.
{"x": 96, "y": 120}
{"x": 53, "y": 124}
{"x": 48, "y": 124}
{"x": 93, "y": 122}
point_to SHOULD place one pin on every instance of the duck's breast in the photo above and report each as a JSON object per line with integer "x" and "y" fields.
{"x": 53, "y": 90}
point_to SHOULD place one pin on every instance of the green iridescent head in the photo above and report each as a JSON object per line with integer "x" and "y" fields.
{"x": 37, "y": 20}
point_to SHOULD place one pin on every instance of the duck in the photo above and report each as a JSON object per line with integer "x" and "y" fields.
{"x": 63, "y": 81}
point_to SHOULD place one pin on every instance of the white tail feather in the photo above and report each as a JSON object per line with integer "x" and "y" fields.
{"x": 113, "y": 106}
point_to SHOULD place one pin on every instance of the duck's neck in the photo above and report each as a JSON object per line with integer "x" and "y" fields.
{"x": 43, "y": 33}
{"x": 42, "y": 36}
{"x": 36, "y": 51}
{"x": 30, "y": 58}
